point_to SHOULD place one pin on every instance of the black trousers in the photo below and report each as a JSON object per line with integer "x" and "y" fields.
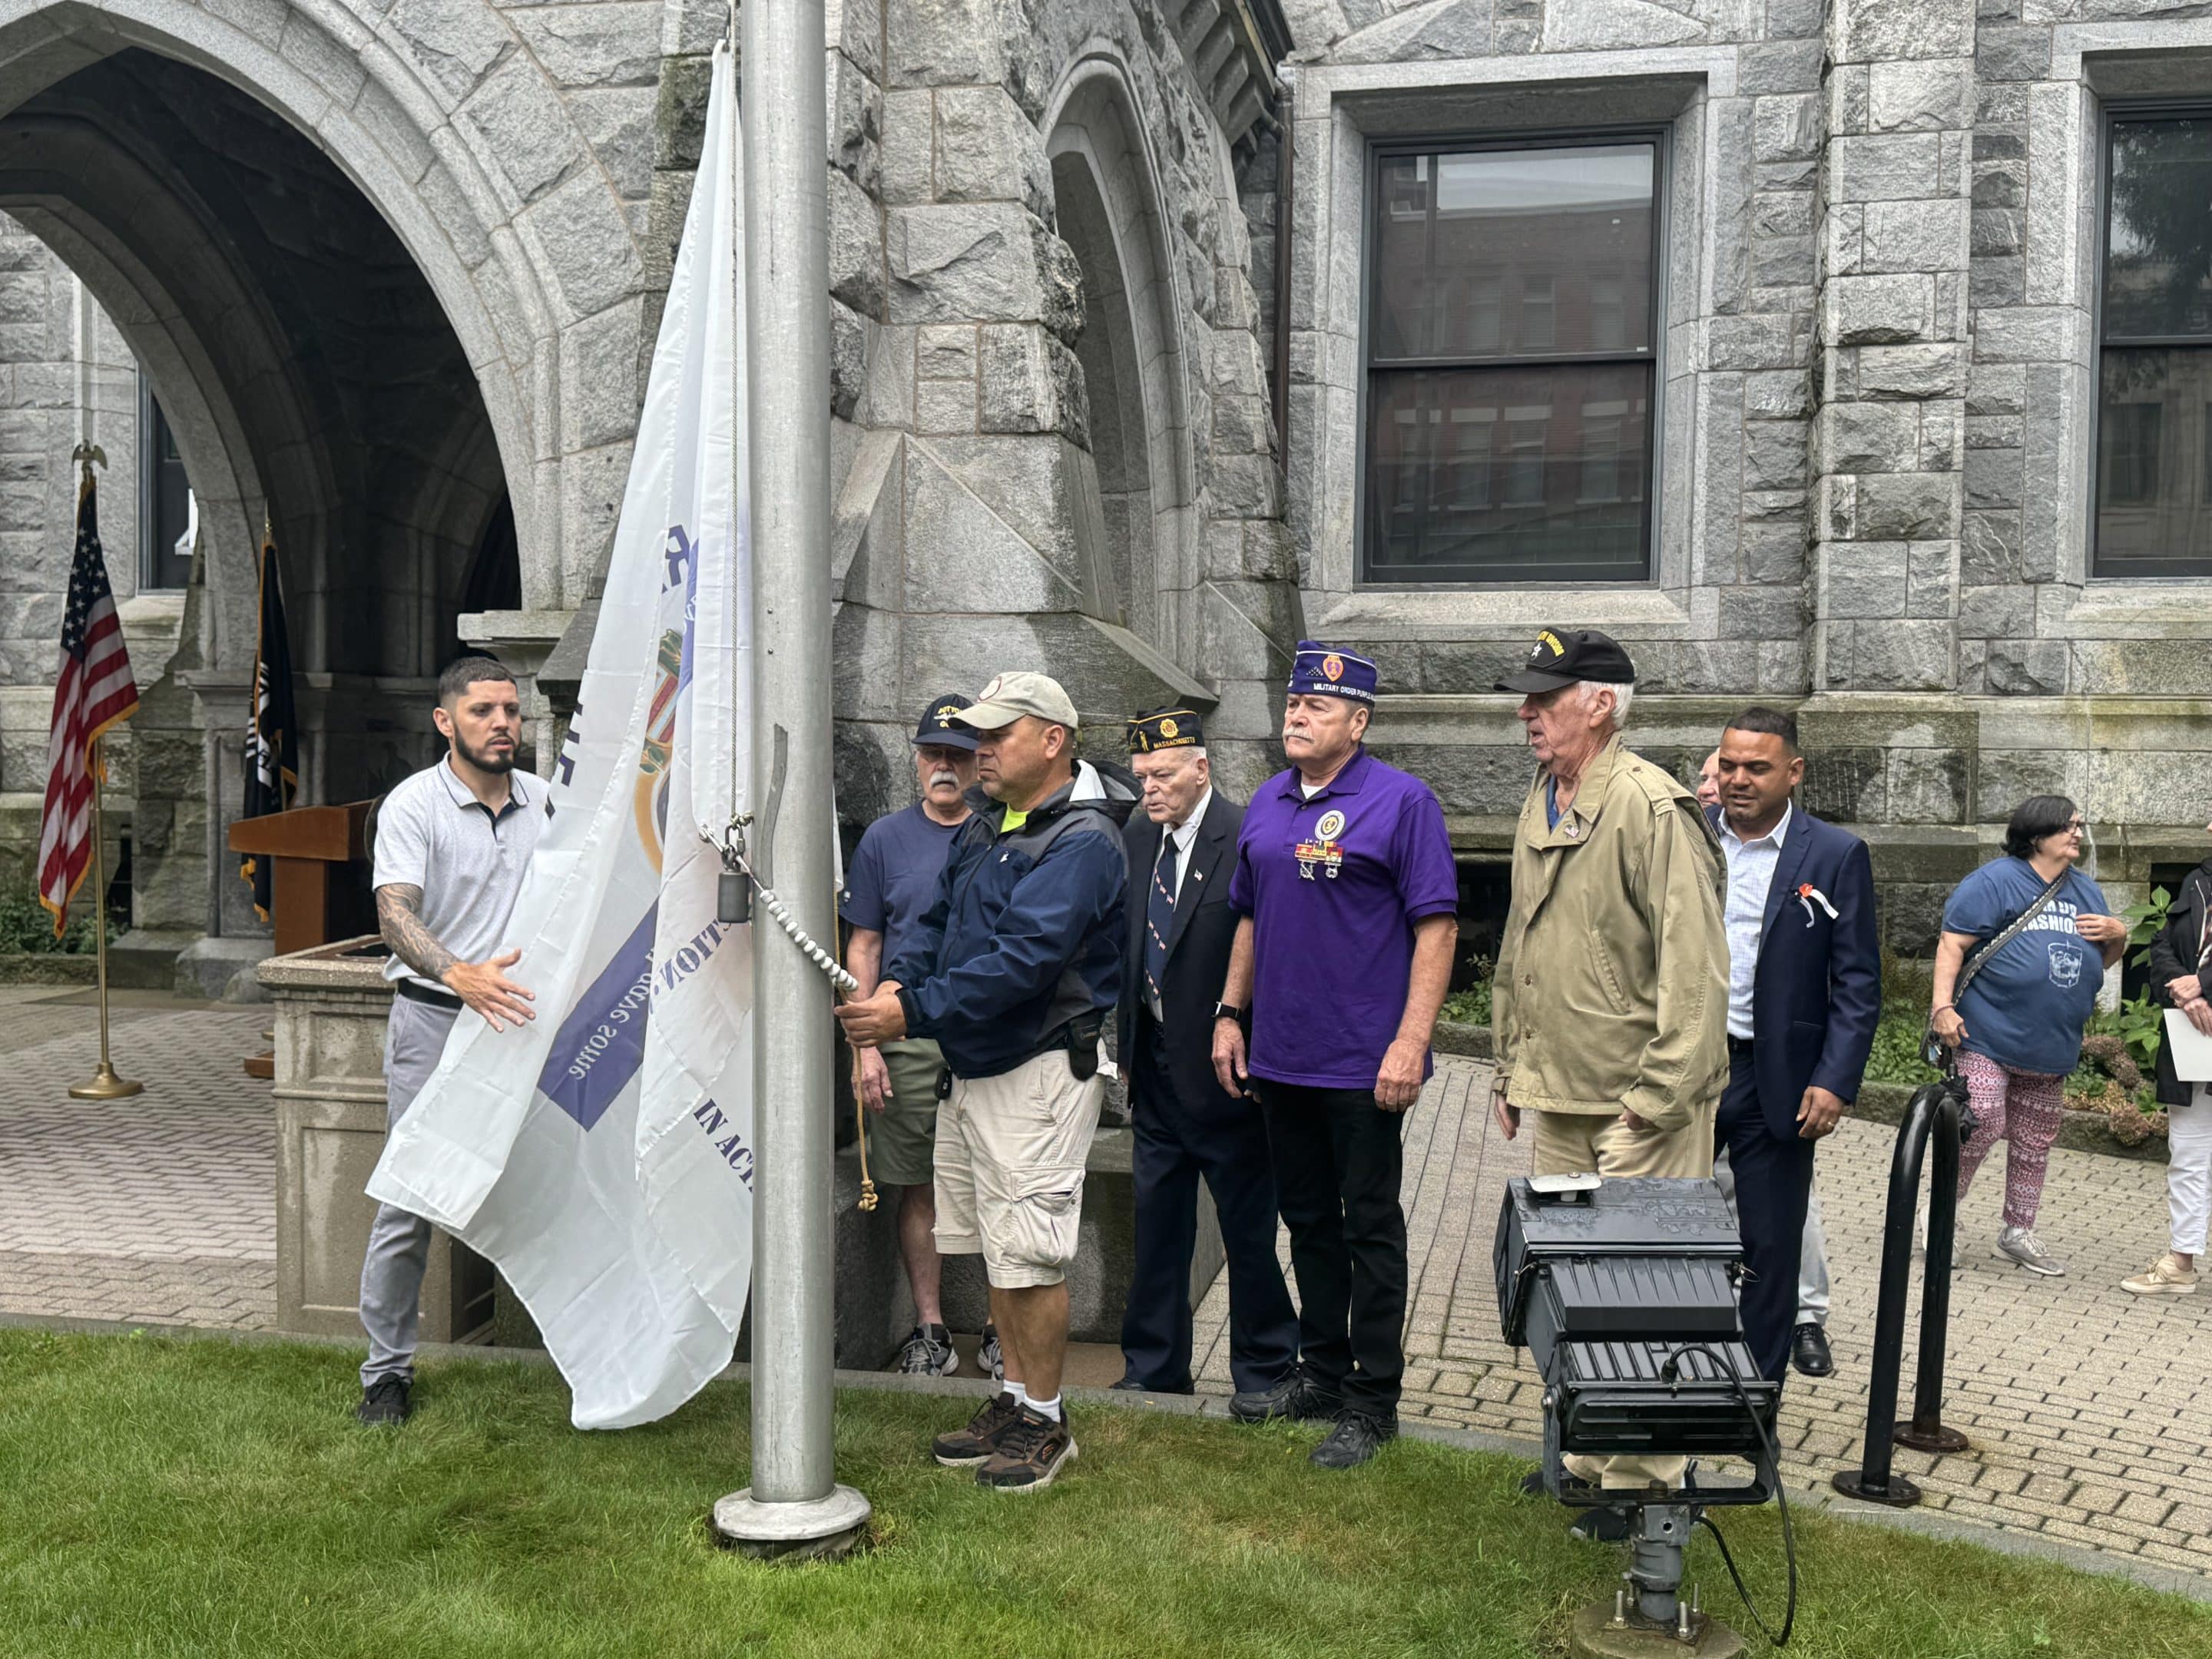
{"x": 1338, "y": 1161}
{"x": 1224, "y": 1142}
{"x": 1773, "y": 1185}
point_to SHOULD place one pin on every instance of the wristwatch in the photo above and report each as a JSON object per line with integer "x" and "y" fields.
{"x": 1227, "y": 1010}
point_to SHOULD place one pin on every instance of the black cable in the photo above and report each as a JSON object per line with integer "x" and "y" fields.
{"x": 1781, "y": 1499}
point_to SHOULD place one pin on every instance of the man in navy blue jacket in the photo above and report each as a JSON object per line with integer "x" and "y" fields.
{"x": 1804, "y": 992}
{"x": 1013, "y": 969}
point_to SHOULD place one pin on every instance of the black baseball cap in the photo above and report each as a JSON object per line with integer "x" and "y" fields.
{"x": 940, "y": 726}
{"x": 1559, "y": 658}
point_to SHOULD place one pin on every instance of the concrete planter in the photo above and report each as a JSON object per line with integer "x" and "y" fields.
{"x": 332, "y": 1003}
{"x": 47, "y": 968}
{"x": 1878, "y": 1103}
{"x": 875, "y": 1313}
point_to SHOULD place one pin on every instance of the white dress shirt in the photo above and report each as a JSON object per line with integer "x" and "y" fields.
{"x": 1184, "y": 835}
{"x": 1750, "y": 876}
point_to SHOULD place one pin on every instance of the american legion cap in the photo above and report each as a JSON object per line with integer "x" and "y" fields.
{"x": 1558, "y": 659}
{"x": 1326, "y": 671}
{"x": 1010, "y": 696}
{"x": 1165, "y": 728}
{"x": 941, "y": 727}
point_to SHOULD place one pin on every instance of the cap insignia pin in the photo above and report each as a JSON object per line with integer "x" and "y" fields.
{"x": 1333, "y": 666}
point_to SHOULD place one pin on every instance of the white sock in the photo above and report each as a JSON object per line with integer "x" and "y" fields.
{"x": 1021, "y": 1395}
{"x": 1047, "y": 1409}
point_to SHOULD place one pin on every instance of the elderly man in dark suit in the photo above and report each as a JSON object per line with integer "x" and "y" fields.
{"x": 1804, "y": 992}
{"x": 1182, "y": 850}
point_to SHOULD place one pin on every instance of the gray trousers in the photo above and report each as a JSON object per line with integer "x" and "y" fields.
{"x": 399, "y": 1243}
{"x": 1812, "y": 1255}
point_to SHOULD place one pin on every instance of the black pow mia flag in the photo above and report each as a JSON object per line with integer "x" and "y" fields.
{"x": 273, "y": 731}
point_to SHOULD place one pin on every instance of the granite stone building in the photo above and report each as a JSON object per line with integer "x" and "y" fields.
{"x": 1853, "y": 354}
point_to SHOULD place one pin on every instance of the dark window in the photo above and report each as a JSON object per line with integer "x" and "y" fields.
{"x": 2154, "y": 359}
{"x": 1510, "y": 371}
{"x": 164, "y": 499}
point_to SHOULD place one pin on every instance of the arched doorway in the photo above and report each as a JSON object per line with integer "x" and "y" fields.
{"x": 304, "y": 251}
{"x": 1131, "y": 355}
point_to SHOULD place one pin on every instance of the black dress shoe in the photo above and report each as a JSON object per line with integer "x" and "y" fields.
{"x": 1809, "y": 1351}
{"x": 1130, "y": 1385}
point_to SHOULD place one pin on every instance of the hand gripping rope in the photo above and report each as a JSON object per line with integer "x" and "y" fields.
{"x": 733, "y": 903}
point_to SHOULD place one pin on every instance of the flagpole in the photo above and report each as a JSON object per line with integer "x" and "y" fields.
{"x": 105, "y": 1083}
{"x": 794, "y": 1509}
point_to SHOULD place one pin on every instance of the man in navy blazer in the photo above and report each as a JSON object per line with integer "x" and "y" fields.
{"x": 1804, "y": 992}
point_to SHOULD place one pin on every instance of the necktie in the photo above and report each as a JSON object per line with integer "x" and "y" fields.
{"x": 1159, "y": 917}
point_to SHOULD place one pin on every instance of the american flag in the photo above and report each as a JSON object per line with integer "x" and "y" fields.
{"x": 94, "y": 692}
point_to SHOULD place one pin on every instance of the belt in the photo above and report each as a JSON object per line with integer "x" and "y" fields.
{"x": 416, "y": 991}
{"x": 1741, "y": 1045}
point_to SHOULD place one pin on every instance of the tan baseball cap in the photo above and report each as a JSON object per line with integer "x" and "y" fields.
{"x": 1010, "y": 696}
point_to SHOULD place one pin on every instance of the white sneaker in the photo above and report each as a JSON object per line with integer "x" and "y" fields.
{"x": 928, "y": 1352}
{"x": 2021, "y": 1244}
{"x": 2163, "y": 1277}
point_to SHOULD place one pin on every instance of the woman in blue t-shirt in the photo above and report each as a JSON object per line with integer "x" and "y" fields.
{"x": 2018, "y": 1028}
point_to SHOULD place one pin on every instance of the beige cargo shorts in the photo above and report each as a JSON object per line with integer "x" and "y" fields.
{"x": 1010, "y": 1155}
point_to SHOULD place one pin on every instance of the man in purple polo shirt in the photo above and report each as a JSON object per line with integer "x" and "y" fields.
{"x": 1347, "y": 902}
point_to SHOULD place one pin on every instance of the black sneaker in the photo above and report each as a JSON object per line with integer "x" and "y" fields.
{"x": 1603, "y": 1525}
{"x": 1314, "y": 1403}
{"x": 988, "y": 1357}
{"x": 387, "y": 1402}
{"x": 928, "y": 1352}
{"x": 1281, "y": 1399}
{"x": 1031, "y": 1451}
{"x": 1356, "y": 1438}
{"x": 964, "y": 1448}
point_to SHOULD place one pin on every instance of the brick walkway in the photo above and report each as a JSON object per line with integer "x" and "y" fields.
{"x": 2090, "y": 1411}
{"x": 159, "y": 1208}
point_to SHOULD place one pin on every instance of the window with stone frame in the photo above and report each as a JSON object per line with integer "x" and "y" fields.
{"x": 1511, "y": 372}
{"x": 165, "y": 560}
{"x": 2154, "y": 446}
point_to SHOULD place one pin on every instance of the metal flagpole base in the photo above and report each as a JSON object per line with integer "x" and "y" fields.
{"x": 1899, "y": 1493}
{"x": 1937, "y": 1439}
{"x": 824, "y": 1529}
{"x": 105, "y": 1085}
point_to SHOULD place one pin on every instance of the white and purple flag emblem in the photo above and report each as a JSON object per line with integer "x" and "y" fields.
{"x": 601, "y": 1155}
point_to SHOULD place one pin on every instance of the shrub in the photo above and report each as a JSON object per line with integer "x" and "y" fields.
{"x": 1471, "y": 1006}
{"x": 27, "y": 927}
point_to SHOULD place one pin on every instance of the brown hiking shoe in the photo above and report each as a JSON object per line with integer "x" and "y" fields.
{"x": 1029, "y": 1453}
{"x": 965, "y": 1447}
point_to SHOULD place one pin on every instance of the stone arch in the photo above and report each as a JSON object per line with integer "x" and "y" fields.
{"x": 389, "y": 95}
{"x": 458, "y": 385}
{"x": 1107, "y": 195}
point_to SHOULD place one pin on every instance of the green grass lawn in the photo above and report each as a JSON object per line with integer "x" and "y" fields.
{"x": 162, "y": 1497}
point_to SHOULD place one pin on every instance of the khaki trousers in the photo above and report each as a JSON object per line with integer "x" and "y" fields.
{"x": 1569, "y": 1143}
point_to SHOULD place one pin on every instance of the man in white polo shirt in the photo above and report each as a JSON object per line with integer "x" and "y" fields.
{"x": 453, "y": 842}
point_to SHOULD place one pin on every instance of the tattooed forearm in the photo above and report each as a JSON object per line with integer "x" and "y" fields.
{"x": 399, "y": 917}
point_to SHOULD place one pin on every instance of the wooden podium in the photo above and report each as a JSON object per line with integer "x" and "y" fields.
{"x": 319, "y": 879}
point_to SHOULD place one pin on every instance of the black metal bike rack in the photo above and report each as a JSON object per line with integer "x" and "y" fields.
{"x": 1939, "y": 1110}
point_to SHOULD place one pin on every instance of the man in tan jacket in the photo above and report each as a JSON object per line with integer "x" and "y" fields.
{"x": 1609, "y": 1010}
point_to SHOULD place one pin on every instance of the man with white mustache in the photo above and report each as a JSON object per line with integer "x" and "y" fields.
{"x": 892, "y": 879}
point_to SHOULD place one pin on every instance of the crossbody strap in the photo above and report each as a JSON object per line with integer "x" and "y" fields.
{"x": 2019, "y": 925}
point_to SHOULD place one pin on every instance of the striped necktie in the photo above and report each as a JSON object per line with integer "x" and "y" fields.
{"x": 1159, "y": 916}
